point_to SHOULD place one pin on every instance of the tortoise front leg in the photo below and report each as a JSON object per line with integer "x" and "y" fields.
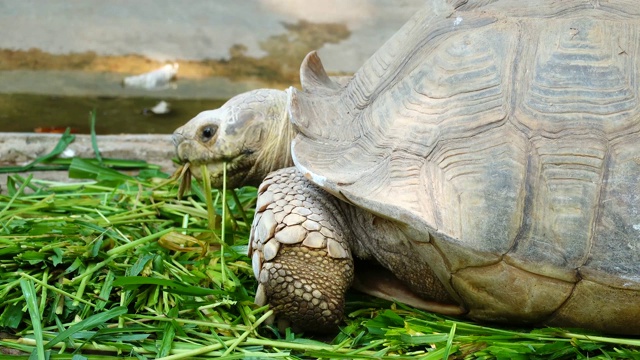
{"x": 299, "y": 252}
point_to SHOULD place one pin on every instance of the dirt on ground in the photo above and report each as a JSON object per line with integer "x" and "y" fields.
{"x": 280, "y": 65}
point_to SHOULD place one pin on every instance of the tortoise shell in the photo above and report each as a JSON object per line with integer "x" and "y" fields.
{"x": 505, "y": 137}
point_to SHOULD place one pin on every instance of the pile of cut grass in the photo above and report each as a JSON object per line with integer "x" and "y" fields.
{"x": 119, "y": 266}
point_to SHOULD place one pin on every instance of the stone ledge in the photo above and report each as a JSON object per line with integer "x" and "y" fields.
{"x": 21, "y": 148}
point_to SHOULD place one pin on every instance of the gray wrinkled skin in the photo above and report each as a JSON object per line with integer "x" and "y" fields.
{"x": 239, "y": 130}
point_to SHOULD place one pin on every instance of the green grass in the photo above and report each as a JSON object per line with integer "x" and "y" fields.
{"x": 118, "y": 266}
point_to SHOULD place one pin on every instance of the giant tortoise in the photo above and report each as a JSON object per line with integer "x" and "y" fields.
{"x": 486, "y": 158}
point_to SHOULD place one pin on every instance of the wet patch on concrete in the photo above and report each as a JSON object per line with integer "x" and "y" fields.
{"x": 114, "y": 114}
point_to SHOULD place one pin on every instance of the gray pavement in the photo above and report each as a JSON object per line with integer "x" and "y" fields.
{"x": 194, "y": 29}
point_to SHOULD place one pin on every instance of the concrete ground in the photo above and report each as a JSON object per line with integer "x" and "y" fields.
{"x": 195, "y": 29}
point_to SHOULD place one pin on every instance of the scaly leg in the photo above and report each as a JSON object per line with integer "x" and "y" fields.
{"x": 299, "y": 252}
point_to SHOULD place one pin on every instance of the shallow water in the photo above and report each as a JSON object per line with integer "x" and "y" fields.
{"x": 114, "y": 114}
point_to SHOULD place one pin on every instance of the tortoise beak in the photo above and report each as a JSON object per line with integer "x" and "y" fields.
{"x": 178, "y": 136}
{"x": 178, "y": 139}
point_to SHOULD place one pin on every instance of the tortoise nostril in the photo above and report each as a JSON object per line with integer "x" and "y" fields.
{"x": 177, "y": 138}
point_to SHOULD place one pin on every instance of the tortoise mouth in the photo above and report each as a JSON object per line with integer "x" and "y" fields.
{"x": 237, "y": 174}
{"x": 239, "y": 163}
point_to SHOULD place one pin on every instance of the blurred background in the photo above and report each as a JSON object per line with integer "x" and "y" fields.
{"x": 148, "y": 66}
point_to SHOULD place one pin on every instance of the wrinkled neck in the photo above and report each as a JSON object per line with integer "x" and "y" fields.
{"x": 276, "y": 151}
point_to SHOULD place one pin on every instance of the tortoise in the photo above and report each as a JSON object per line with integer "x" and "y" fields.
{"x": 484, "y": 162}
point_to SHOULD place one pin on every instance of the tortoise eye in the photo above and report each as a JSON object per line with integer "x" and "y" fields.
{"x": 208, "y": 132}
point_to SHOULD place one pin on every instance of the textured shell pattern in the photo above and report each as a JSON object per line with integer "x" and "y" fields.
{"x": 503, "y": 134}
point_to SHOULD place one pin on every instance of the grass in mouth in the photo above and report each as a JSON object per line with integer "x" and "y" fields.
{"x": 119, "y": 266}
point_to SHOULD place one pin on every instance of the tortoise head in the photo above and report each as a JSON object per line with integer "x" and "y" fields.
{"x": 251, "y": 133}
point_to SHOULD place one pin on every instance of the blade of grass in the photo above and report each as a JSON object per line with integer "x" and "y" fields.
{"x": 182, "y": 321}
{"x": 85, "y": 169}
{"x": 55, "y": 289}
{"x": 110, "y": 348}
{"x": 229, "y": 344}
{"x": 87, "y": 324}
{"x": 114, "y": 163}
{"x": 223, "y": 226}
{"x": 136, "y": 281}
{"x": 43, "y": 292}
{"x": 83, "y": 285}
{"x": 14, "y": 197}
{"x": 240, "y": 208}
{"x": 105, "y": 291}
{"x": 17, "y": 169}
{"x": 206, "y": 184}
{"x": 62, "y": 144}
{"x": 94, "y": 140}
{"x": 605, "y": 339}
{"x": 168, "y": 334}
{"x": 29, "y": 291}
{"x": 447, "y": 349}
{"x": 244, "y": 335}
{"x": 123, "y": 248}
